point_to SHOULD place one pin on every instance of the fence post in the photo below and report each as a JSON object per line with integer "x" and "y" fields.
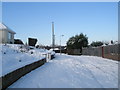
{"x": 102, "y": 52}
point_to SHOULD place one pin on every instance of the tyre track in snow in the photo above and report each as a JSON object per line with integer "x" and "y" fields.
{"x": 104, "y": 71}
{"x": 84, "y": 66}
{"x": 71, "y": 58}
{"x": 106, "y": 74}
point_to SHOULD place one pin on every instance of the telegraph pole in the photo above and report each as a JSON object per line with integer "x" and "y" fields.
{"x": 53, "y": 36}
{"x": 60, "y": 42}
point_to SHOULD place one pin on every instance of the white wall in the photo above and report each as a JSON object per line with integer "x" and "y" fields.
{"x": 4, "y": 37}
{"x": 0, "y": 36}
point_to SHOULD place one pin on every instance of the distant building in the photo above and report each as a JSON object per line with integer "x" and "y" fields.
{"x": 6, "y": 34}
{"x": 18, "y": 41}
{"x": 32, "y": 41}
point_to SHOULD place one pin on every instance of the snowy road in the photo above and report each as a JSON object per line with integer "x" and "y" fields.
{"x": 72, "y": 72}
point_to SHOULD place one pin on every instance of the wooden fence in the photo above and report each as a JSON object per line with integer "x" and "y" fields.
{"x": 110, "y": 51}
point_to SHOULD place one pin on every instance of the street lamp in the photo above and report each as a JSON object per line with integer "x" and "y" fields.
{"x": 60, "y": 43}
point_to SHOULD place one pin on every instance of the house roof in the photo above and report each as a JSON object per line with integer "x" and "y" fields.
{"x": 4, "y": 27}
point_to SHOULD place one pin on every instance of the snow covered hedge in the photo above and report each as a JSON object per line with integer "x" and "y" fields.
{"x": 14, "y": 56}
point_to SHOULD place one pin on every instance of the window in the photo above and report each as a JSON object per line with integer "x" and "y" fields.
{"x": 9, "y": 36}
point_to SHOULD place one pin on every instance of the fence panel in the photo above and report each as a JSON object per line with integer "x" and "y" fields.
{"x": 110, "y": 51}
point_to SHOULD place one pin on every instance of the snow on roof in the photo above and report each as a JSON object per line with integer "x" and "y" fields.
{"x": 4, "y": 27}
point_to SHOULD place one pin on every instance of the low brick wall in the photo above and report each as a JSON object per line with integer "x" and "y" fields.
{"x": 10, "y": 78}
{"x": 73, "y": 52}
{"x": 112, "y": 56}
{"x": 62, "y": 51}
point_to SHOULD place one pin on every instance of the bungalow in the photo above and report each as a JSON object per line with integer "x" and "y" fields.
{"x": 6, "y": 34}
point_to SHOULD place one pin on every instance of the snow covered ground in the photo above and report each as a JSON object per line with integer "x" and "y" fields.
{"x": 14, "y": 56}
{"x": 67, "y": 71}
